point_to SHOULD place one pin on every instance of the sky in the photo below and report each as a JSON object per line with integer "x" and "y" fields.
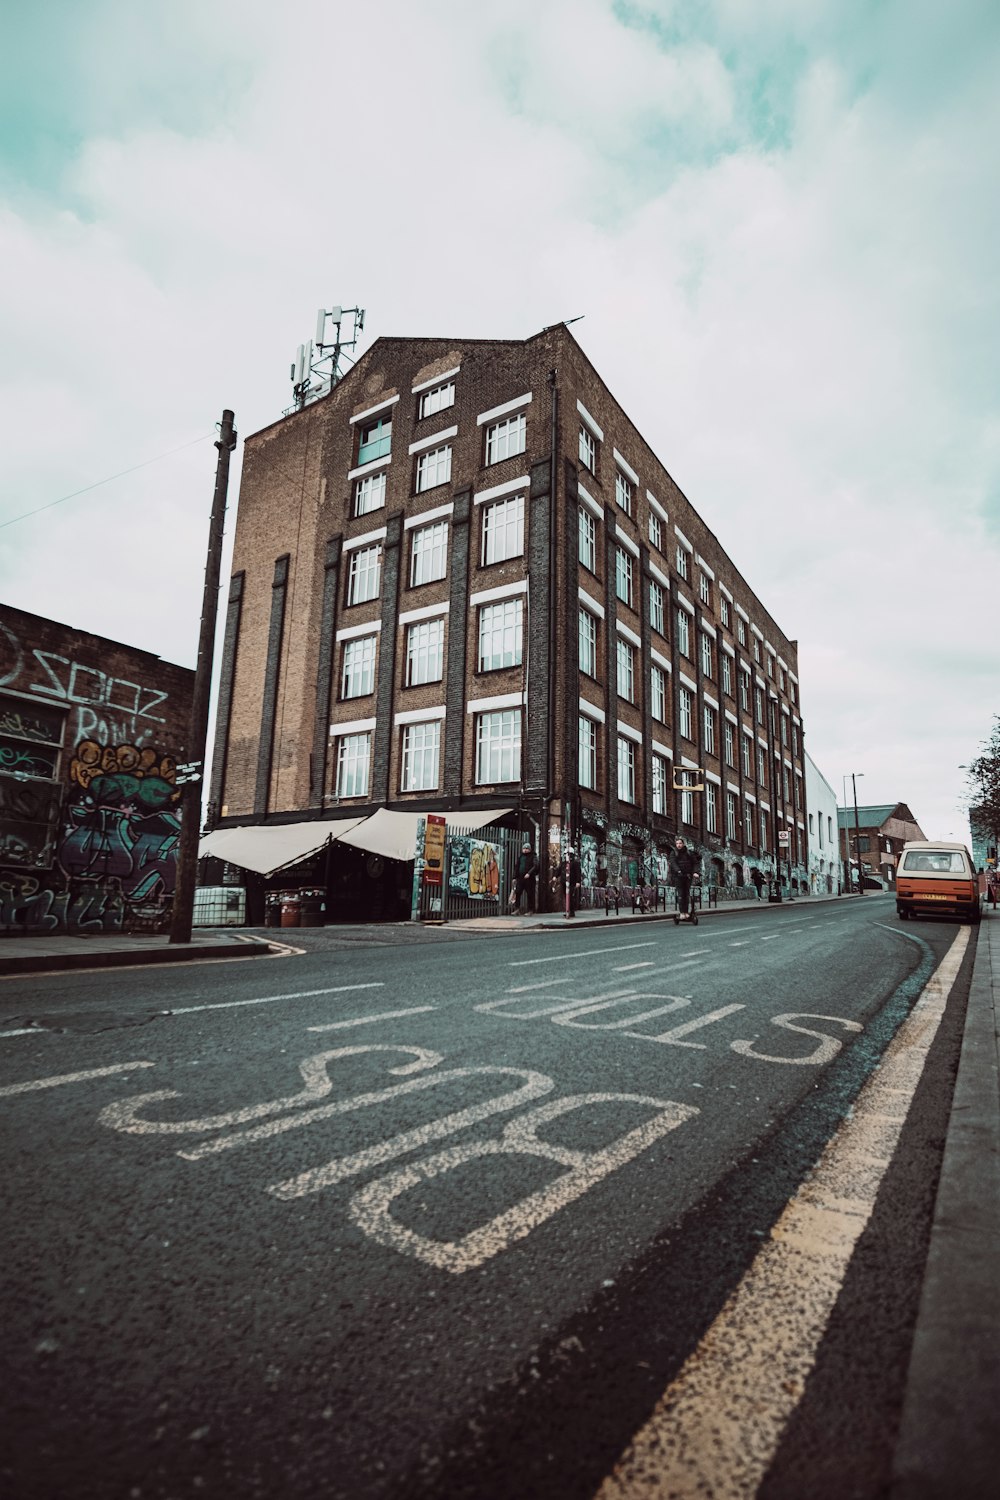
{"x": 779, "y": 220}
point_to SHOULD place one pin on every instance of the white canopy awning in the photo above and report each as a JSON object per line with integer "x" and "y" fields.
{"x": 394, "y": 834}
{"x": 270, "y": 847}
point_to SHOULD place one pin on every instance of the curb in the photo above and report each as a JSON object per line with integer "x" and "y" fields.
{"x": 43, "y": 963}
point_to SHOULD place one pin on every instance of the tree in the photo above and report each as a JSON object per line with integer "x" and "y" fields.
{"x": 984, "y": 786}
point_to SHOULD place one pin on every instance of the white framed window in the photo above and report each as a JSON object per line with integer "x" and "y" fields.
{"x": 357, "y": 677}
{"x": 682, "y": 561}
{"x": 626, "y": 769}
{"x": 364, "y": 576}
{"x": 791, "y": 691}
{"x": 656, "y": 607}
{"x": 761, "y": 766}
{"x": 741, "y": 630}
{"x": 353, "y": 761}
{"x": 588, "y": 541}
{"x": 727, "y": 675}
{"x": 588, "y": 643}
{"x": 501, "y": 635}
{"x": 795, "y": 742}
{"x": 711, "y": 807}
{"x": 624, "y": 492}
{"x": 421, "y": 758}
{"x": 730, "y": 740}
{"x": 433, "y": 468}
{"x": 658, "y": 694}
{"x": 498, "y": 747}
{"x": 685, "y": 713}
{"x": 708, "y": 729}
{"x": 784, "y": 782}
{"x": 655, "y": 531}
{"x": 623, "y": 576}
{"x": 706, "y": 654}
{"x": 687, "y": 807}
{"x": 439, "y": 398}
{"x": 745, "y": 691}
{"x": 758, "y": 699}
{"x": 748, "y": 824}
{"x": 704, "y": 589}
{"x": 588, "y": 753}
{"x": 763, "y": 832}
{"x": 659, "y": 784}
{"x": 588, "y": 449}
{"x": 730, "y": 815}
{"x": 756, "y": 649}
{"x": 375, "y": 440}
{"x": 724, "y": 614}
{"x": 781, "y": 679}
{"x": 784, "y": 729}
{"x": 683, "y": 633}
{"x": 425, "y": 652}
{"x": 428, "y": 553}
{"x": 747, "y": 757}
{"x": 770, "y": 666}
{"x": 503, "y": 530}
{"x": 506, "y": 437}
{"x": 369, "y": 494}
{"x": 626, "y": 670}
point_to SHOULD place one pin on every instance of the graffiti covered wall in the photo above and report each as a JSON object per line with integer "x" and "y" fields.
{"x": 90, "y": 731}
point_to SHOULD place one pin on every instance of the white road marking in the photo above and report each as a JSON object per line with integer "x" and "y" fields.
{"x": 696, "y": 953}
{"x": 563, "y": 958}
{"x": 23, "y": 1031}
{"x": 382, "y": 1015}
{"x": 673, "y": 1037}
{"x": 625, "y": 968}
{"x": 339, "y": 989}
{"x": 544, "y": 984}
{"x": 55, "y": 1082}
{"x": 772, "y": 937}
{"x": 744, "y": 944}
{"x": 716, "y": 1428}
{"x": 672, "y": 968}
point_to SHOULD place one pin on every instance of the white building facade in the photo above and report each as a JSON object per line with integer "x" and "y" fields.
{"x": 825, "y": 874}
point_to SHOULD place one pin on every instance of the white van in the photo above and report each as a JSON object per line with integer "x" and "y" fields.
{"x": 936, "y": 877}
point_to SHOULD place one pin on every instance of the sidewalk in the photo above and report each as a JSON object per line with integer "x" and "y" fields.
{"x": 42, "y": 954}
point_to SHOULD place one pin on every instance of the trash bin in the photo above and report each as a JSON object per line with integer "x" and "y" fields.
{"x": 774, "y": 892}
{"x": 312, "y": 908}
{"x": 272, "y": 909}
{"x": 290, "y": 913}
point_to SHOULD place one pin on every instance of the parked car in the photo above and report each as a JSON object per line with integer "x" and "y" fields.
{"x": 937, "y": 877}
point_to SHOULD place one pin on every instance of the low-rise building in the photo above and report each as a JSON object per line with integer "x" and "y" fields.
{"x": 876, "y": 838}
{"x": 825, "y": 866}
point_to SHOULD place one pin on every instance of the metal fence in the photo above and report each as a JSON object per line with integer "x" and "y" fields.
{"x": 477, "y": 876}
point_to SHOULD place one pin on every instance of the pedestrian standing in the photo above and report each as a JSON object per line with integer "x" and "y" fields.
{"x": 682, "y": 868}
{"x": 758, "y": 880}
{"x": 525, "y": 876}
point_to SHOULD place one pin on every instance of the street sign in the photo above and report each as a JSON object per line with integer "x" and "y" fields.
{"x": 784, "y": 838}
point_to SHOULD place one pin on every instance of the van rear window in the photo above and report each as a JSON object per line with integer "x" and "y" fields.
{"x": 934, "y": 862}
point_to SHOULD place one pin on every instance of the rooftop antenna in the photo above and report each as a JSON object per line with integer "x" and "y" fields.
{"x": 316, "y": 366}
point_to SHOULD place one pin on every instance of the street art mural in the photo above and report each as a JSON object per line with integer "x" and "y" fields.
{"x": 473, "y": 869}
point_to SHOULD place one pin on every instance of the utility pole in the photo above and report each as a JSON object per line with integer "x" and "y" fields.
{"x": 857, "y": 838}
{"x": 193, "y": 771}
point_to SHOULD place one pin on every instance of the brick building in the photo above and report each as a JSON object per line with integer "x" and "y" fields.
{"x": 876, "y": 838}
{"x": 90, "y": 730}
{"x": 427, "y": 613}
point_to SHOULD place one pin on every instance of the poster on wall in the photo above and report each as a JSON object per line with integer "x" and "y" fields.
{"x": 473, "y": 869}
{"x": 434, "y": 850}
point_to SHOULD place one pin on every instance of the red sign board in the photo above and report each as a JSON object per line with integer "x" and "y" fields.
{"x": 434, "y": 850}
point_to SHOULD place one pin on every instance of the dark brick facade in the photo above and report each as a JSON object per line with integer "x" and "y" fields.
{"x": 299, "y": 502}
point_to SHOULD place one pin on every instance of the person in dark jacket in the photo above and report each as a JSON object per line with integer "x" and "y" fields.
{"x": 758, "y": 881}
{"x": 525, "y": 876}
{"x": 683, "y": 866}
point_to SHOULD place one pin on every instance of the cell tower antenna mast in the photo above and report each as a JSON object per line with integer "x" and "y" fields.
{"x": 316, "y": 367}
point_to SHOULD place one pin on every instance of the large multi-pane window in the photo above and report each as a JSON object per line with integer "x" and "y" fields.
{"x": 704, "y": 589}
{"x": 503, "y": 529}
{"x": 624, "y": 586}
{"x": 711, "y": 808}
{"x": 748, "y": 824}
{"x": 682, "y": 561}
{"x": 357, "y": 677}
{"x": 433, "y": 468}
{"x": 741, "y": 630}
{"x": 747, "y": 757}
{"x": 758, "y": 698}
{"x": 369, "y": 493}
{"x": 763, "y": 832}
{"x": 588, "y": 643}
{"x": 706, "y": 654}
{"x": 730, "y": 815}
{"x": 375, "y": 440}
{"x": 761, "y": 766}
{"x": 498, "y": 746}
{"x": 364, "y": 575}
{"x": 745, "y": 691}
{"x": 626, "y": 671}
{"x": 505, "y": 438}
{"x": 730, "y": 736}
{"x": 659, "y": 784}
{"x": 655, "y": 531}
{"x": 727, "y": 675}
{"x": 784, "y": 729}
{"x": 685, "y": 713}
{"x": 437, "y": 399}
{"x": 683, "y": 632}
{"x": 708, "y": 729}
{"x": 588, "y": 540}
{"x": 501, "y": 635}
{"x": 588, "y": 753}
{"x": 588, "y": 449}
{"x": 770, "y": 666}
{"x": 623, "y": 492}
{"x": 756, "y": 649}
{"x": 656, "y": 607}
{"x": 626, "y": 769}
{"x": 425, "y": 652}
{"x": 687, "y": 807}
{"x": 353, "y": 760}
{"x": 429, "y": 553}
{"x": 658, "y": 694}
{"x": 724, "y": 614}
{"x": 421, "y": 758}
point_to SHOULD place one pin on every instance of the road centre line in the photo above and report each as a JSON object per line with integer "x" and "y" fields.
{"x": 544, "y": 984}
{"x": 744, "y": 944}
{"x": 338, "y": 989}
{"x": 55, "y": 1082}
{"x": 23, "y": 1031}
{"x": 719, "y": 1423}
{"x": 562, "y": 958}
{"x": 771, "y": 937}
{"x": 625, "y": 968}
{"x": 382, "y": 1015}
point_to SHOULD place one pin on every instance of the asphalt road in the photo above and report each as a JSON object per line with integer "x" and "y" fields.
{"x": 446, "y": 1219}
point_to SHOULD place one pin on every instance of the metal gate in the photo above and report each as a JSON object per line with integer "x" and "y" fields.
{"x": 476, "y": 879}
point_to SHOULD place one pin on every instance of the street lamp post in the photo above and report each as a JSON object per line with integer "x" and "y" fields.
{"x": 857, "y": 830}
{"x": 857, "y": 834}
